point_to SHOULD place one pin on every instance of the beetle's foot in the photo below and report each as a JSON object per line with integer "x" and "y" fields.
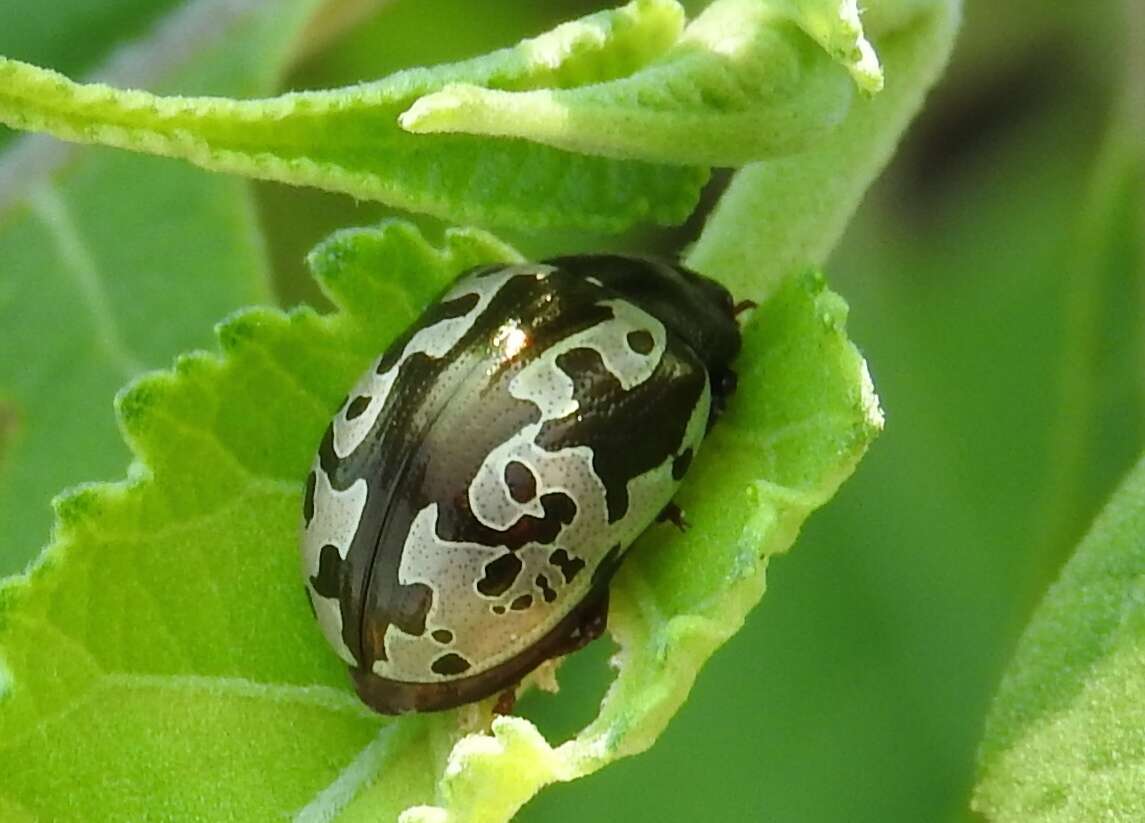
{"x": 724, "y": 384}
{"x": 675, "y": 515}
{"x": 506, "y": 701}
{"x": 744, "y": 305}
{"x": 593, "y": 621}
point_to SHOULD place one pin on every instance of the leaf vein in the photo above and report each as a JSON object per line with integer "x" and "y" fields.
{"x": 77, "y": 259}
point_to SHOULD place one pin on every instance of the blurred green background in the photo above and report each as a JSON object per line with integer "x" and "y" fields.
{"x": 995, "y": 279}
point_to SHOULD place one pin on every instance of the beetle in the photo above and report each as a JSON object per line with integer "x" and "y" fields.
{"x": 476, "y": 491}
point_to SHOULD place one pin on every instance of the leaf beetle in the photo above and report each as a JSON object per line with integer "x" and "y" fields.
{"x": 476, "y": 491}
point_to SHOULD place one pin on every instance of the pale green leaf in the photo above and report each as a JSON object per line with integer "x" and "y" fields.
{"x": 348, "y": 139}
{"x": 743, "y": 82}
{"x": 1066, "y": 737}
{"x": 782, "y": 214}
{"x": 112, "y": 263}
{"x": 161, "y": 658}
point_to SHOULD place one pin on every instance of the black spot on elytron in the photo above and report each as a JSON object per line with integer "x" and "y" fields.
{"x": 437, "y": 312}
{"x": 450, "y": 663}
{"x": 521, "y": 481}
{"x": 407, "y": 608}
{"x": 546, "y": 590}
{"x": 357, "y": 406}
{"x": 442, "y": 636}
{"x": 308, "y": 498}
{"x": 500, "y": 574}
{"x": 560, "y": 506}
{"x": 327, "y": 457}
{"x": 498, "y": 610}
{"x": 570, "y": 566}
{"x": 614, "y": 423}
{"x": 681, "y": 464}
{"x": 327, "y": 582}
{"x": 640, "y": 341}
{"x": 457, "y": 524}
{"x": 521, "y": 603}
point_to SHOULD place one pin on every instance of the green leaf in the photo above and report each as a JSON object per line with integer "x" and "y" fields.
{"x": 1066, "y": 737}
{"x": 742, "y": 83}
{"x": 112, "y": 263}
{"x": 783, "y": 214}
{"x": 348, "y": 140}
{"x": 161, "y": 660}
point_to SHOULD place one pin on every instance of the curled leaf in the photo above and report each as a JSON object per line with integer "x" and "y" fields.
{"x": 348, "y": 139}
{"x": 785, "y": 213}
{"x": 743, "y": 82}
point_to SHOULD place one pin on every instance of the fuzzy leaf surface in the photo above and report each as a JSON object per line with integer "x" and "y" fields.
{"x": 1066, "y": 736}
{"x": 744, "y": 81}
{"x": 112, "y": 263}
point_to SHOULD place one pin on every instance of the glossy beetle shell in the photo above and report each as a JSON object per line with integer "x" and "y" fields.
{"x": 478, "y": 488}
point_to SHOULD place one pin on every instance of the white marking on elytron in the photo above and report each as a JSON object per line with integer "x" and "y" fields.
{"x": 435, "y": 341}
{"x": 595, "y": 281}
{"x": 545, "y": 385}
{"x": 452, "y": 570}
{"x": 335, "y": 521}
{"x": 448, "y": 569}
{"x": 568, "y": 470}
{"x": 336, "y": 518}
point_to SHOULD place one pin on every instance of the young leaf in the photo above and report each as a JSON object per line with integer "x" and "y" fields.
{"x": 783, "y": 214}
{"x": 742, "y": 83}
{"x": 112, "y": 263}
{"x": 1066, "y": 737}
{"x": 348, "y": 139}
{"x": 161, "y": 660}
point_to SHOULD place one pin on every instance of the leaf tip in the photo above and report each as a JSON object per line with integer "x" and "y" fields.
{"x": 873, "y": 414}
{"x": 245, "y": 325}
{"x": 338, "y": 257}
{"x": 138, "y": 399}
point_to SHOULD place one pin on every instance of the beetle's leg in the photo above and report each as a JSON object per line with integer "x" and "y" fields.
{"x": 675, "y": 515}
{"x": 506, "y": 701}
{"x": 744, "y": 305}
{"x": 591, "y": 625}
{"x": 723, "y": 386}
